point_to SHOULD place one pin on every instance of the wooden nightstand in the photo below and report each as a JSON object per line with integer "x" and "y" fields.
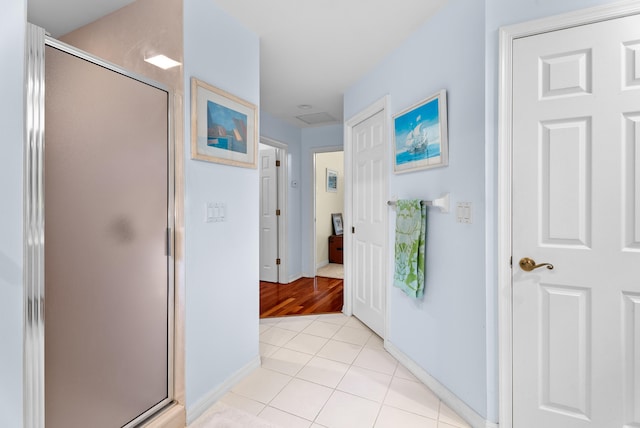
{"x": 335, "y": 249}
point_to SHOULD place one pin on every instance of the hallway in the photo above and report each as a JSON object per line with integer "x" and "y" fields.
{"x": 304, "y": 296}
{"x": 332, "y": 371}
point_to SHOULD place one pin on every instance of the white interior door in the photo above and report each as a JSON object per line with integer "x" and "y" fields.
{"x": 370, "y": 222}
{"x": 576, "y": 204}
{"x": 268, "y": 215}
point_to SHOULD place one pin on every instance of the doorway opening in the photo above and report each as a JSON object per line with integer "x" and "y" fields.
{"x": 328, "y": 204}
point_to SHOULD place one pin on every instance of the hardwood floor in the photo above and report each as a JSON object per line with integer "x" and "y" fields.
{"x": 305, "y": 296}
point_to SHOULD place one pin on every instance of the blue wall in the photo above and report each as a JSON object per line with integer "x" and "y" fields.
{"x": 221, "y": 258}
{"x": 282, "y": 132}
{"x": 12, "y": 39}
{"x": 445, "y": 332}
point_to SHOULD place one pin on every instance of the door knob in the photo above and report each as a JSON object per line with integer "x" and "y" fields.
{"x": 527, "y": 264}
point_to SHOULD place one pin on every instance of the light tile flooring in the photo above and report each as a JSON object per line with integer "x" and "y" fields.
{"x": 332, "y": 270}
{"x": 332, "y": 371}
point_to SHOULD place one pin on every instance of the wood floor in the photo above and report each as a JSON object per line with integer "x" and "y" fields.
{"x": 305, "y": 296}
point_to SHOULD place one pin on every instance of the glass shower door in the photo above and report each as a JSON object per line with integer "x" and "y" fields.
{"x": 107, "y": 288}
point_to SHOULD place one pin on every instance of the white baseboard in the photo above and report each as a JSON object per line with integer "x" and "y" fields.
{"x": 294, "y": 278}
{"x": 214, "y": 395}
{"x": 448, "y": 397}
{"x": 322, "y": 264}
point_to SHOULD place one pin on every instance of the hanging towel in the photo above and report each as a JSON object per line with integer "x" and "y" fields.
{"x": 411, "y": 224}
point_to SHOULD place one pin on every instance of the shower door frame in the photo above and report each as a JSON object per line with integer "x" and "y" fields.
{"x": 34, "y": 211}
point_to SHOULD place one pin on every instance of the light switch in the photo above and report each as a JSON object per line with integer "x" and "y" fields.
{"x": 209, "y": 212}
{"x": 463, "y": 212}
{"x": 215, "y": 212}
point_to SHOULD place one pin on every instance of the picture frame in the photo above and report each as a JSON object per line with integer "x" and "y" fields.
{"x": 224, "y": 128}
{"x": 420, "y": 138}
{"x": 332, "y": 180}
{"x": 338, "y": 226}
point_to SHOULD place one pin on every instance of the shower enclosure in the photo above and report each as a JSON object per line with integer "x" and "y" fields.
{"x": 100, "y": 296}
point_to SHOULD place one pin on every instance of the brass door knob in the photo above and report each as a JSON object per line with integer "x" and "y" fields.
{"x": 527, "y": 264}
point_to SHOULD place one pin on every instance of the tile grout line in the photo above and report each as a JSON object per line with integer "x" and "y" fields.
{"x": 393, "y": 375}
{"x": 334, "y": 389}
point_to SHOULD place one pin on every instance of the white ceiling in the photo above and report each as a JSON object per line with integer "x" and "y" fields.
{"x": 311, "y": 51}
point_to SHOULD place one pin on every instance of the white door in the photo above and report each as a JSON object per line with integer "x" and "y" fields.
{"x": 576, "y": 205}
{"x": 370, "y": 222}
{"x": 268, "y": 215}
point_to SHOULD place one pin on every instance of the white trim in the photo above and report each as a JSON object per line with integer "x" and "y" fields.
{"x": 505, "y": 144}
{"x": 293, "y": 278}
{"x": 446, "y": 396}
{"x": 283, "y": 179}
{"x": 198, "y": 409}
{"x": 381, "y": 105}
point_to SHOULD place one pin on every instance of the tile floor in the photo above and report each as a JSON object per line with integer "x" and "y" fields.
{"x": 332, "y": 371}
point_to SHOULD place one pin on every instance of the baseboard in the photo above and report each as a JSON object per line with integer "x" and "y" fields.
{"x": 294, "y": 278}
{"x": 447, "y": 397}
{"x": 210, "y": 399}
{"x": 322, "y": 264}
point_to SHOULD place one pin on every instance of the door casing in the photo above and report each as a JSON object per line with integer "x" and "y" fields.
{"x": 381, "y": 105}
{"x": 269, "y": 245}
{"x": 505, "y": 144}
{"x": 283, "y": 273}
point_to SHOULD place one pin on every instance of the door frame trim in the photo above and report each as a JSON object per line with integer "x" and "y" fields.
{"x": 507, "y": 36}
{"x": 283, "y": 179}
{"x": 380, "y": 105}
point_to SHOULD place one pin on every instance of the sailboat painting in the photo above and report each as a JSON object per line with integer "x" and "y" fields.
{"x": 224, "y": 127}
{"x": 420, "y": 135}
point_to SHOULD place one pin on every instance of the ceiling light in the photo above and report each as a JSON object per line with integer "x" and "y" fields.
{"x": 304, "y": 107}
{"x": 162, "y": 61}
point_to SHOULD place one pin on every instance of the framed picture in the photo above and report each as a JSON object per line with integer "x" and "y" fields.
{"x": 420, "y": 135}
{"x": 224, "y": 128}
{"x": 336, "y": 218}
{"x": 332, "y": 180}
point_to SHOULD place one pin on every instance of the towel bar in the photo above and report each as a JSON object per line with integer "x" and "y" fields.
{"x": 442, "y": 203}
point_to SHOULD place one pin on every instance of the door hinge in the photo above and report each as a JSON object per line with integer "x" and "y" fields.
{"x": 168, "y": 241}
{"x": 277, "y": 163}
{"x": 353, "y": 229}
{"x": 511, "y": 261}
{"x": 277, "y": 212}
{"x": 277, "y": 261}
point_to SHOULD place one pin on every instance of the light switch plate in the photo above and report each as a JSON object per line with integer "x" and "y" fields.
{"x": 209, "y": 210}
{"x": 463, "y": 212}
{"x": 215, "y": 212}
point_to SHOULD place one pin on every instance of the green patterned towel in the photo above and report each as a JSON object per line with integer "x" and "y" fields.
{"x": 411, "y": 224}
